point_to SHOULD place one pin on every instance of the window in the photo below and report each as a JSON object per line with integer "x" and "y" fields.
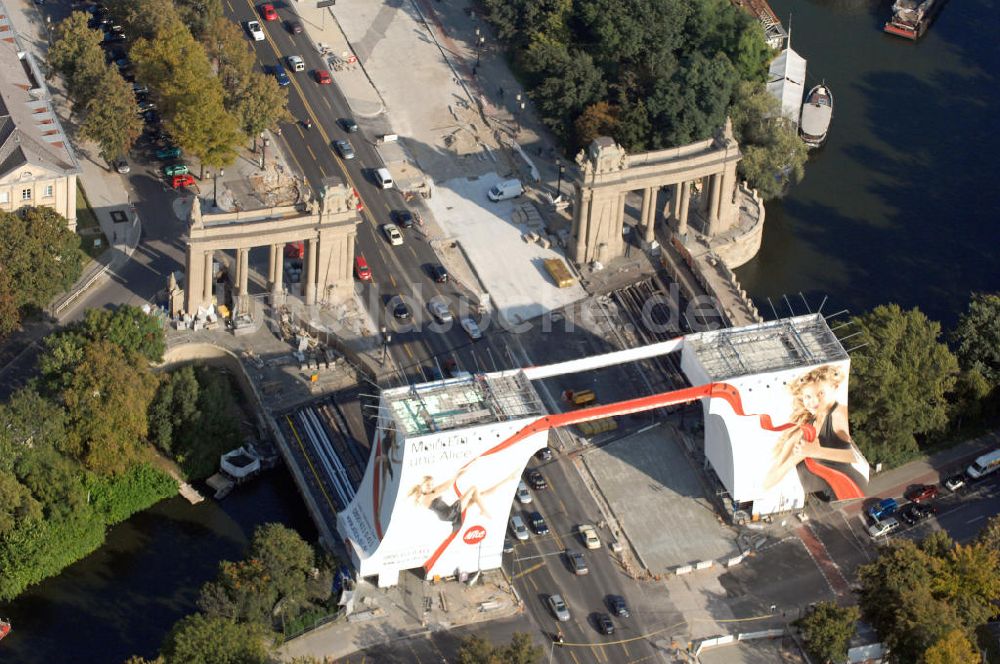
{"x": 26, "y": 194}
{"x": 4, "y": 197}
{"x": 49, "y": 191}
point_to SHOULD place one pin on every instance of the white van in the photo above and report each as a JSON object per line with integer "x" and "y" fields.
{"x": 383, "y": 178}
{"x": 501, "y": 191}
{"x": 984, "y": 465}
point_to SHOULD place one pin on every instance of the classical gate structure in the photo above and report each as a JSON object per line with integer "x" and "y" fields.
{"x": 608, "y": 174}
{"x": 327, "y": 228}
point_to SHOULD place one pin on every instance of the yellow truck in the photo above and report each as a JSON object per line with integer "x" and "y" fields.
{"x": 559, "y": 272}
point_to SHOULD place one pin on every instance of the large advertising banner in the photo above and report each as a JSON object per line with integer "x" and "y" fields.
{"x": 439, "y": 501}
{"x": 791, "y": 439}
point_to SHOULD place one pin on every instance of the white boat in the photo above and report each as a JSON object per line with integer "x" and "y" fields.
{"x": 817, "y": 111}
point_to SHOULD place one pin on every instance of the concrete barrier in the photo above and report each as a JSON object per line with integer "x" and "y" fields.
{"x": 683, "y": 569}
{"x": 704, "y": 564}
{"x": 762, "y": 634}
{"x": 714, "y": 642}
{"x": 735, "y": 560}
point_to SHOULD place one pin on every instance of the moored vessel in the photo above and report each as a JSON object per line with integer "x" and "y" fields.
{"x": 911, "y": 18}
{"x": 817, "y": 112}
{"x": 4, "y": 628}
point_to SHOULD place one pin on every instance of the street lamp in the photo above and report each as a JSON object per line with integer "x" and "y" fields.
{"x": 386, "y": 339}
{"x": 520, "y": 112}
{"x": 480, "y": 42}
{"x": 562, "y": 169}
{"x": 263, "y": 150}
{"x": 215, "y": 187}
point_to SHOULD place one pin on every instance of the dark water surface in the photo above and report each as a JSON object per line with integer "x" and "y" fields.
{"x": 902, "y": 204}
{"x": 122, "y": 599}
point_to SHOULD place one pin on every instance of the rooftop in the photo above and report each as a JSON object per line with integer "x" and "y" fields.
{"x": 463, "y": 402}
{"x": 772, "y": 346}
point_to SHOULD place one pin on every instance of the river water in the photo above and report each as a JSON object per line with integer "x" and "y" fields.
{"x": 122, "y": 599}
{"x": 901, "y": 204}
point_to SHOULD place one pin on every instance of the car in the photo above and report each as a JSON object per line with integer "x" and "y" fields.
{"x": 518, "y": 528}
{"x": 921, "y": 492}
{"x": 577, "y": 563}
{"x": 508, "y": 545}
{"x": 392, "y": 234}
{"x": 399, "y": 308}
{"x": 915, "y": 512}
{"x": 523, "y": 495}
{"x": 253, "y": 27}
{"x": 604, "y": 624}
{"x": 295, "y": 63}
{"x": 538, "y": 523}
{"x": 403, "y": 218}
{"x": 344, "y": 149}
{"x": 175, "y": 169}
{"x": 348, "y": 125}
{"x": 179, "y": 181}
{"x": 883, "y": 528}
{"x": 438, "y": 273}
{"x": 169, "y": 152}
{"x": 558, "y": 608}
{"x": 544, "y": 454}
{"x": 361, "y": 269}
{"x": 268, "y": 13}
{"x": 471, "y": 327}
{"x": 322, "y": 77}
{"x": 588, "y": 535}
{"x": 294, "y": 27}
{"x": 144, "y": 106}
{"x": 113, "y": 38}
{"x": 955, "y": 482}
{"x": 536, "y": 481}
{"x": 123, "y": 64}
{"x": 281, "y": 75}
{"x": 151, "y": 117}
{"x": 617, "y": 606}
{"x": 440, "y": 311}
{"x": 140, "y": 89}
{"x": 882, "y": 509}
{"x": 122, "y": 166}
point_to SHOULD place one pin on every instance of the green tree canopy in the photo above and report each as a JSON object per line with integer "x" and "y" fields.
{"x": 952, "y": 648}
{"x": 16, "y": 503}
{"x": 827, "y": 630}
{"x": 773, "y": 154}
{"x": 30, "y": 423}
{"x": 111, "y": 119}
{"x": 76, "y": 54}
{"x": 198, "y": 15}
{"x": 200, "y": 639}
{"x": 899, "y": 382}
{"x": 478, "y": 650}
{"x": 977, "y": 337}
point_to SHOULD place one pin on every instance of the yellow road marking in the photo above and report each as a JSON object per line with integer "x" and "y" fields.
{"x": 311, "y": 467}
{"x": 534, "y": 586}
{"x": 415, "y": 655}
{"x": 408, "y": 351}
{"x": 625, "y": 648}
{"x": 573, "y": 655}
{"x": 392, "y": 279}
{"x": 312, "y": 154}
{"x": 528, "y": 570}
{"x": 601, "y": 655}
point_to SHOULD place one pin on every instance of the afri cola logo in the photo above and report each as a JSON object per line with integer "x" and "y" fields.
{"x": 474, "y": 535}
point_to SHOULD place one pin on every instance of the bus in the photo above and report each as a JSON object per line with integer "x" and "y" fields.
{"x": 984, "y": 465}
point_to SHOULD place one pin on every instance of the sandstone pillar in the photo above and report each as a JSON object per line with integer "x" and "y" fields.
{"x": 715, "y": 184}
{"x": 310, "y": 283}
{"x": 194, "y": 284}
{"x": 649, "y": 217}
{"x": 278, "y": 260}
{"x": 243, "y": 257}
{"x": 207, "y": 284}
{"x": 683, "y": 202}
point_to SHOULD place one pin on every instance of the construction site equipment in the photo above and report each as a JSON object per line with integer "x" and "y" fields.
{"x": 594, "y": 427}
{"x": 580, "y": 397}
{"x": 559, "y": 272}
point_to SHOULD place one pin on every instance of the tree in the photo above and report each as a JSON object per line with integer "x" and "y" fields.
{"x": 54, "y": 481}
{"x": 174, "y": 407}
{"x": 827, "y": 630}
{"x": 30, "y": 423}
{"x": 200, "y": 639}
{"x": 569, "y": 82}
{"x": 199, "y": 15}
{"x": 10, "y": 317}
{"x": 107, "y": 398}
{"x": 953, "y": 648}
{"x": 899, "y": 383}
{"x": 598, "y": 119}
{"x": 977, "y": 337}
{"x": 286, "y": 558}
{"x": 128, "y": 328}
{"x": 990, "y": 534}
{"x": 16, "y": 503}
{"x": 76, "y": 54}
{"x": 263, "y": 105}
{"x": 521, "y": 650}
{"x": 111, "y": 120}
{"x": 39, "y": 258}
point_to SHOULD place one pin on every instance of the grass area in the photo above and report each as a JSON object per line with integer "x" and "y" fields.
{"x": 88, "y": 228}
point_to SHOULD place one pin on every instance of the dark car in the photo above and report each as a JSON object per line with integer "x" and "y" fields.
{"x": 617, "y": 606}
{"x": 403, "y": 218}
{"x": 544, "y": 454}
{"x": 399, "y": 308}
{"x": 538, "y": 523}
{"x": 508, "y": 545}
{"x": 922, "y": 492}
{"x": 294, "y": 27}
{"x": 535, "y": 480}
{"x": 439, "y": 274}
{"x": 577, "y": 562}
{"x": 348, "y": 125}
{"x": 281, "y": 75}
{"x": 604, "y": 624}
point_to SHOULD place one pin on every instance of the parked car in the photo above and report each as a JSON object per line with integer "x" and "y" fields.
{"x": 544, "y": 454}
{"x": 471, "y": 327}
{"x": 882, "y": 509}
{"x": 402, "y": 218}
{"x": 617, "y": 606}
{"x": 588, "y": 535}
{"x": 577, "y": 563}
{"x": 955, "y": 482}
{"x": 253, "y": 27}
{"x": 170, "y": 152}
{"x": 438, "y": 273}
{"x": 344, "y": 149}
{"x": 883, "y": 528}
{"x": 538, "y": 523}
{"x": 268, "y": 13}
{"x": 179, "y": 181}
{"x": 536, "y": 481}
{"x": 508, "y": 545}
{"x": 604, "y": 624}
{"x": 122, "y": 166}
{"x": 399, "y": 308}
{"x": 922, "y": 492}
{"x": 523, "y": 495}
{"x": 281, "y": 75}
{"x": 440, "y": 311}
{"x": 915, "y": 512}
{"x": 143, "y": 106}
{"x": 392, "y": 234}
{"x": 518, "y": 528}
{"x": 322, "y": 77}
{"x": 361, "y": 269}
{"x": 558, "y": 608}
{"x": 348, "y": 125}
{"x": 175, "y": 169}
{"x": 294, "y": 27}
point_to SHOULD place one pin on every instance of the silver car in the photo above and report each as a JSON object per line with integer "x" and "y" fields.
{"x": 344, "y": 149}
{"x": 559, "y": 608}
{"x": 470, "y": 327}
{"x": 518, "y": 528}
{"x": 440, "y": 311}
{"x": 523, "y": 495}
{"x": 883, "y": 528}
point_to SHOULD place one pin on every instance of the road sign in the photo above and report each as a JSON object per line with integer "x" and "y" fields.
{"x": 320, "y": 4}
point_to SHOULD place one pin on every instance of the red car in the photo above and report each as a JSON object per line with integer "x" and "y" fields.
{"x": 179, "y": 181}
{"x": 323, "y": 77}
{"x": 361, "y": 269}
{"x": 919, "y": 494}
{"x": 267, "y": 11}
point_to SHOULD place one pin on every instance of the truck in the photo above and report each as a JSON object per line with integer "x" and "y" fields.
{"x": 984, "y": 465}
{"x": 559, "y": 272}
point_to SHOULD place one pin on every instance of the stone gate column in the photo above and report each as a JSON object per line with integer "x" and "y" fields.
{"x": 310, "y": 283}
{"x": 649, "y": 213}
{"x": 278, "y": 258}
{"x": 683, "y": 203}
{"x": 194, "y": 280}
{"x": 243, "y": 257}
{"x": 207, "y": 290}
{"x": 713, "y": 204}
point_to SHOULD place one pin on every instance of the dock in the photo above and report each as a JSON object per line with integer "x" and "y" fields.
{"x": 774, "y": 32}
